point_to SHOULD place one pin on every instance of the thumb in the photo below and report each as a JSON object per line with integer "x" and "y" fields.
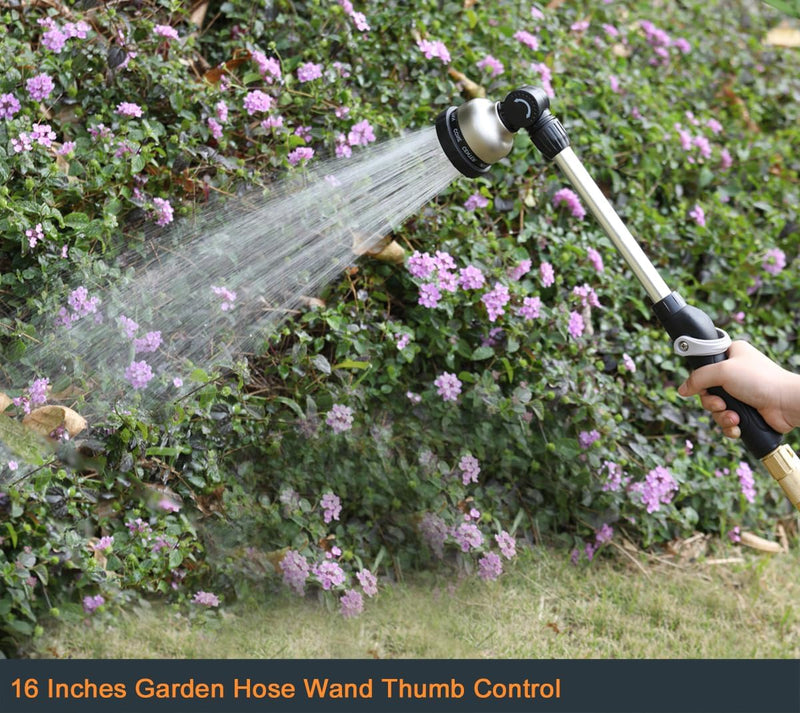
{"x": 702, "y": 378}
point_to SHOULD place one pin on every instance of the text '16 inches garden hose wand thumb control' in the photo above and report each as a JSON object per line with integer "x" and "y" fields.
{"x": 480, "y": 132}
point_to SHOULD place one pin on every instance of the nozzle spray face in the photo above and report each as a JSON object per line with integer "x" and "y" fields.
{"x": 473, "y": 136}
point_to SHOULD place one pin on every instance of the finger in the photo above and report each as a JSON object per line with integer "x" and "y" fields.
{"x": 713, "y": 403}
{"x": 732, "y": 432}
{"x": 726, "y": 419}
{"x": 703, "y": 378}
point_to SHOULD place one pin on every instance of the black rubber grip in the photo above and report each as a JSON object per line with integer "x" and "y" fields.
{"x": 682, "y": 320}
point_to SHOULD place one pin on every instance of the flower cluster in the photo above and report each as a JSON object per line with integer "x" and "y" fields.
{"x": 40, "y": 134}
{"x": 434, "y": 49}
{"x": 79, "y": 304}
{"x": 55, "y": 38}
{"x": 658, "y": 488}
{"x": 340, "y": 418}
{"x": 34, "y": 395}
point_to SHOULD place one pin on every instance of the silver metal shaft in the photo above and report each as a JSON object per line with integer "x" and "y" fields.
{"x": 612, "y": 224}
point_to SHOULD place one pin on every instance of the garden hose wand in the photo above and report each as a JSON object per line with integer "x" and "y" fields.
{"x": 481, "y": 132}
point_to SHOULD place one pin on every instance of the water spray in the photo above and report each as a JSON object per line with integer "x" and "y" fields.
{"x": 480, "y": 132}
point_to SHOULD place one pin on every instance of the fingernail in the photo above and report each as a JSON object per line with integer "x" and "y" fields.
{"x": 682, "y": 390}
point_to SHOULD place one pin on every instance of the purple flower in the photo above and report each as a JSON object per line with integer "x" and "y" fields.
{"x": 340, "y": 418}
{"x": 495, "y": 301}
{"x": 725, "y": 159}
{"x": 471, "y": 278}
{"x": 530, "y": 309}
{"x": 81, "y": 303}
{"x": 54, "y": 39}
{"x": 576, "y": 325}
{"x": 165, "y": 31}
{"x": 9, "y": 105}
{"x": 256, "y": 101}
{"x": 12, "y": 465}
{"x": 495, "y": 66}
{"x": 228, "y": 297}
{"x": 164, "y": 211}
{"x": 34, "y": 235}
{"x": 90, "y": 604}
{"x": 301, "y": 153}
{"x": 682, "y": 45}
{"x": 368, "y": 582}
{"x": 215, "y": 128}
{"x": 448, "y": 386}
{"x": 613, "y": 82}
{"x": 351, "y": 604}
{"x": 206, "y": 599}
{"x": 774, "y": 261}
{"x": 295, "y": 571}
{"x": 468, "y": 536}
{"x": 735, "y": 535}
{"x": 628, "y": 364}
{"x": 507, "y": 544}
{"x": 177, "y": 382}
{"x": 596, "y": 259}
{"x": 587, "y": 294}
{"x": 129, "y": 109}
{"x": 221, "y": 110}
{"x": 149, "y": 343}
{"x": 520, "y": 270}
{"x": 698, "y": 215}
{"x": 586, "y": 438}
{"x": 657, "y": 489}
{"x": 579, "y": 26}
{"x": 470, "y": 469}
{"x": 745, "y": 474}
{"x": 40, "y": 86}
{"x": 329, "y": 574}
{"x": 402, "y": 340}
{"x": 614, "y": 476}
{"x": 569, "y": 198}
{"x": 269, "y": 67}
{"x": 604, "y": 534}
{"x": 420, "y": 265}
{"x": 331, "y": 505}
{"x": 138, "y": 374}
{"x": 490, "y": 567}
{"x": 476, "y": 200}
{"x": 434, "y": 49}
{"x": 168, "y": 505}
{"x": 546, "y": 274}
{"x": 361, "y": 134}
{"x": 103, "y": 544}
{"x": 545, "y": 77}
{"x": 527, "y": 39}
{"x": 429, "y": 295}
{"x": 309, "y": 71}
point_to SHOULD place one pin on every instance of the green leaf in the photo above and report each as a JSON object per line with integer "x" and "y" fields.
{"x": 482, "y": 353}
{"x": 167, "y": 450}
{"x": 351, "y": 364}
{"x": 321, "y": 364}
{"x": 76, "y": 220}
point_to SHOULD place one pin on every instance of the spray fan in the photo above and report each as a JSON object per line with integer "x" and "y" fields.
{"x": 480, "y": 132}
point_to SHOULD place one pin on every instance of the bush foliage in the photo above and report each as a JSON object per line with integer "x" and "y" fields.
{"x": 336, "y": 451}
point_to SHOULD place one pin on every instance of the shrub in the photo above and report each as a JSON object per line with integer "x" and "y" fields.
{"x": 508, "y": 383}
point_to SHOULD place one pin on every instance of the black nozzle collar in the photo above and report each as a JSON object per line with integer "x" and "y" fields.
{"x": 455, "y": 146}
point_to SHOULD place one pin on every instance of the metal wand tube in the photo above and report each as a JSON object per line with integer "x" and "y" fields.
{"x": 611, "y": 223}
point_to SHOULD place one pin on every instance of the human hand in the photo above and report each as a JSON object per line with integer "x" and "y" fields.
{"x": 754, "y": 379}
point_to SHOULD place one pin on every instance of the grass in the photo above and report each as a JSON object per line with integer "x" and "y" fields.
{"x": 741, "y": 605}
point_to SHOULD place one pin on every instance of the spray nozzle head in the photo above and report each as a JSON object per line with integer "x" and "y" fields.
{"x": 480, "y": 132}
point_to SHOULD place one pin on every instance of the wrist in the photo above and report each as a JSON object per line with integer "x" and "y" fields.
{"x": 790, "y": 398}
